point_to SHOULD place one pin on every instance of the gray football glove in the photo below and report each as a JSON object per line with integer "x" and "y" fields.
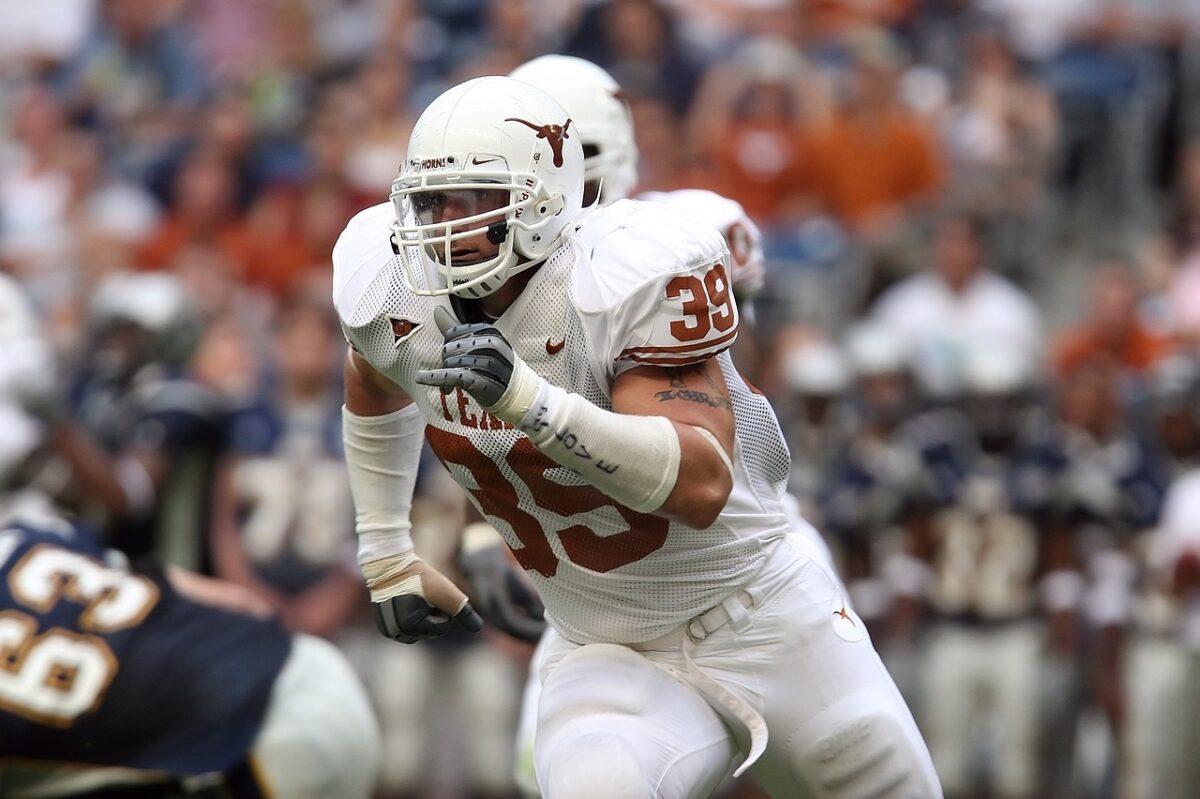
{"x": 409, "y": 618}
{"x": 476, "y": 358}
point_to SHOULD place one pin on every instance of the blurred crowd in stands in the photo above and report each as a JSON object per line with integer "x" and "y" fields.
{"x": 980, "y": 325}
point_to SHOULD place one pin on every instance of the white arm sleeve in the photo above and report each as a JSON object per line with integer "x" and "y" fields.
{"x": 383, "y": 455}
{"x": 633, "y": 459}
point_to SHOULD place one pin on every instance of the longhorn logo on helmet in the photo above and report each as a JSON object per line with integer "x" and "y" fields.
{"x": 554, "y": 134}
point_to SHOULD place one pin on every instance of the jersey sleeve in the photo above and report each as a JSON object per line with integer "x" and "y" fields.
{"x": 683, "y": 318}
{"x": 668, "y": 297}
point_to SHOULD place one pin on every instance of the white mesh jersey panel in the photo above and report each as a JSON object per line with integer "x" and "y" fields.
{"x": 605, "y": 573}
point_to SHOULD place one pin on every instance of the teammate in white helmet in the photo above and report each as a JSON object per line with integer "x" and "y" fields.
{"x": 583, "y": 397}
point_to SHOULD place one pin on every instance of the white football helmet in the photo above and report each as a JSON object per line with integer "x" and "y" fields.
{"x": 595, "y": 103}
{"x": 156, "y": 303}
{"x": 491, "y": 157}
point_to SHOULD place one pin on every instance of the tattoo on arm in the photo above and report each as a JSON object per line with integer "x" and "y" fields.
{"x": 676, "y": 377}
{"x": 680, "y": 390}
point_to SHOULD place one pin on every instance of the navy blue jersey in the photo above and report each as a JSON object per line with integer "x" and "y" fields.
{"x": 183, "y": 422}
{"x": 295, "y": 512}
{"x": 102, "y": 666}
{"x": 1068, "y": 476}
{"x": 874, "y": 483}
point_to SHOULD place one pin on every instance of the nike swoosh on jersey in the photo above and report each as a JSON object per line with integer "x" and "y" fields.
{"x": 555, "y": 347}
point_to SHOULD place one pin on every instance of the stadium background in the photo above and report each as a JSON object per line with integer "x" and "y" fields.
{"x": 873, "y": 141}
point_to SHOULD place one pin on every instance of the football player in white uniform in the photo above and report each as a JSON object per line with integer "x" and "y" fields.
{"x": 570, "y": 370}
{"x": 598, "y": 110}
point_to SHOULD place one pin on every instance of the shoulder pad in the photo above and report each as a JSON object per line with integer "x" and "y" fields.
{"x": 742, "y": 236}
{"x": 658, "y": 279}
{"x": 362, "y": 252}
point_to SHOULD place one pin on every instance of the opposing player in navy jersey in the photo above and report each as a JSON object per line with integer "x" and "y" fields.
{"x": 140, "y": 436}
{"x": 158, "y": 681}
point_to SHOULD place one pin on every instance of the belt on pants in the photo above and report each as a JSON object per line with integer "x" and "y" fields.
{"x": 733, "y": 610}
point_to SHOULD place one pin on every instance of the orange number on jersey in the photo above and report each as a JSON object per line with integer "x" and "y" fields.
{"x": 498, "y": 498}
{"x": 695, "y": 306}
{"x": 713, "y": 290}
{"x": 717, "y": 284}
{"x": 646, "y": 533}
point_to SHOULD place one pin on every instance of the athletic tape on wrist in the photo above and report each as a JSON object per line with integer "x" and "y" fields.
{"x": 380, "y": 575}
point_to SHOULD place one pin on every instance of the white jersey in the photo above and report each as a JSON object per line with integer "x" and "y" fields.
{"x": 746, "y": 269}
{"x": 638, "y": 284}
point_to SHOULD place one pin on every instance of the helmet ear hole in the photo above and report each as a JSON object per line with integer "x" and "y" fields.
{"x": 497, "y": 233}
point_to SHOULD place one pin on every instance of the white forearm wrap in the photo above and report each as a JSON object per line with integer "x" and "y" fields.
{"x": 383, "y": 454}
{"x": 633, "y": 459}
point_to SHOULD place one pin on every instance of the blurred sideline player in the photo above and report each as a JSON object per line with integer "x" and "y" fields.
{"x": 293, "y": 540}
{"x": 993, "y": 571}
{"x": 682, "y": 618}
{"x": 1161, "y": 669}
{"x": 593, "y": 100}
{"x": 139, "y": 437}
{"x": 158, "y": 682}
{"x": 1163, "y": 665}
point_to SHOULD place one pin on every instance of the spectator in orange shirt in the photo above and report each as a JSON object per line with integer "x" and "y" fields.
{"x": 203, "y": 215}
{"x": 872, "y": 162}
{"x": 750, "y": 121}
{"x": 1111, "y": 330}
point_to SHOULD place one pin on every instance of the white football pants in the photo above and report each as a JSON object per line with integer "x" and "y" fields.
{"x": 804, "y": 539}
{"x": 1160, "y": 736}
{"x": 789, "y": 679}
